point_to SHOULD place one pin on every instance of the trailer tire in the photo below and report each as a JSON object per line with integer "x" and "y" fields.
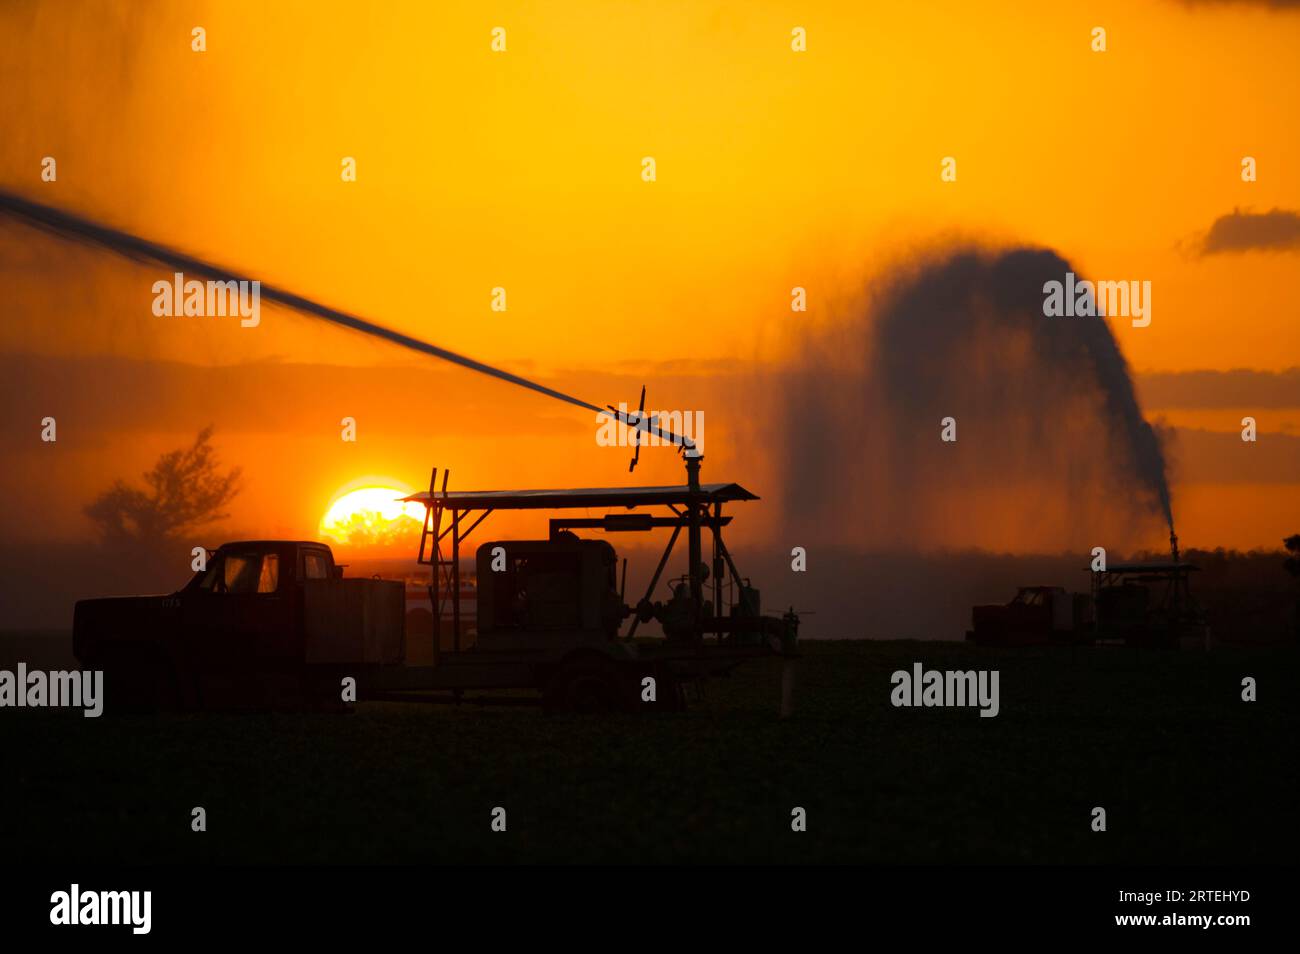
{"x": 670, "y": 693}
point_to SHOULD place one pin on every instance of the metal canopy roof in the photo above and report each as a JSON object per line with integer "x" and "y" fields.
{"x": 583, "y": 497}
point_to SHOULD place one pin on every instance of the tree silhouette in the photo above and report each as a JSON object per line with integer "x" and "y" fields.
{"x": 184, "y": 491}
{"x": 1292, "y": 563}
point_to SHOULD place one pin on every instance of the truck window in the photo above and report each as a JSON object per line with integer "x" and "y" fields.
{"x": 268, "y": 581}
{"x": 315, "y": 566}
{"x": 243, "y": 573}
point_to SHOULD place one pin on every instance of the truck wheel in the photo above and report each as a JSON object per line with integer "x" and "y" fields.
{"x": 139, "y": 685}
{"x": 589, "y": 685}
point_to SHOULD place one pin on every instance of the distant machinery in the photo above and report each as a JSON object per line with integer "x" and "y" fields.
{"x": 1139, "y": 604}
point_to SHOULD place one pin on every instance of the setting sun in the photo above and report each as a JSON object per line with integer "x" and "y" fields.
{"x": 371, "y": 517}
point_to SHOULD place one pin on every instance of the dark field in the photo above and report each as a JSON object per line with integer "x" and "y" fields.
{"x": 1187, "y": 772}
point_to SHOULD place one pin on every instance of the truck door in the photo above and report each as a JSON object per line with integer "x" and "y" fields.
{"x": 240, "y": 620}
{"x": 1062, "y": 610}
{"x": 260, "y": 609}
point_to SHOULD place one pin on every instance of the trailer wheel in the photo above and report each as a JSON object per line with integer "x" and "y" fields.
{"x": 670, "y": 693}
{"x": 589, "y": 685}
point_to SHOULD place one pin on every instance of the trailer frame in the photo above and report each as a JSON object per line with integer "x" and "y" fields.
{"x": 693, "y": 508}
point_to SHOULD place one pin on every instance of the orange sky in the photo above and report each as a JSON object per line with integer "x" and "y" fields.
{"x": 522, "y": 169}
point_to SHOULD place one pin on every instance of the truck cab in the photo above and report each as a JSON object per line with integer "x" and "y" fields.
{"x": 248, "y": 603}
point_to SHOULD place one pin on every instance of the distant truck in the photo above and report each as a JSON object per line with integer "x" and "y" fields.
{"x": 274, "y": 623}
{"x": 1138, "y": 604}
{"x": 1037, "y": 616}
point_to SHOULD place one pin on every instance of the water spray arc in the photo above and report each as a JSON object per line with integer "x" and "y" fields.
{"x": 66, "y": 225}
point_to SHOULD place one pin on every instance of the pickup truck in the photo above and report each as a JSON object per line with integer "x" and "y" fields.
{"x": 1037, "y": 616}
{"x": 265, "y": 623}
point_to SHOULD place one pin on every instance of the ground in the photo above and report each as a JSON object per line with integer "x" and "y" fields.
{"x": 1187, "y": 771}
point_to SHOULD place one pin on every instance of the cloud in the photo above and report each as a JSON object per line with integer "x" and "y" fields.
{"x": 1222, "y": 457}
{"x": 1278, "y": 230}
{"x": 1238, "y": 388}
